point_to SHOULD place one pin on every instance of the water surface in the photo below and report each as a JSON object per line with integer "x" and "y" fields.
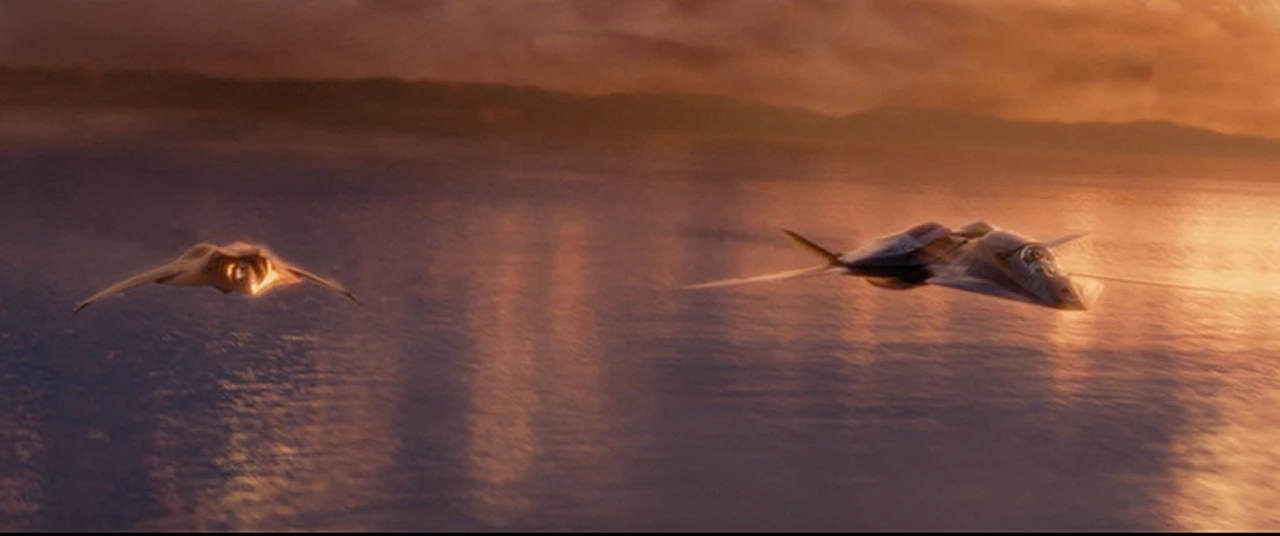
{"x": 526, "y": 362}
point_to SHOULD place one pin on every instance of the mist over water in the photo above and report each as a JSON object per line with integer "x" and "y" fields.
{"x": 527, "y": 362}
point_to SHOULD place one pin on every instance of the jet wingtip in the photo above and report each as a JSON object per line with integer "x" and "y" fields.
{"x": 1064, "y": 239}
{"x": 698, "y": 286}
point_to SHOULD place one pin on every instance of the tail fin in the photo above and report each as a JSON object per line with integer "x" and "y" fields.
{"x": 831, "y": 258}
{"x": 832, "y": 266}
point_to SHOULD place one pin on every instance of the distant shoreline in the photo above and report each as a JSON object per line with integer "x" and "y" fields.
{"x": 140, "y": 131}
{"x": 438, "y": 108}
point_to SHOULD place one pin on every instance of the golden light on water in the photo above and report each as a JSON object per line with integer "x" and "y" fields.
{"x": 861, "y": 304}
{"x": 577, "y": 365}
{"x": 531, "y": 362}
{"x": 278, "y": 438}
{"x": 502, "y": 443}
{"x": 1224, "y": 452}
{"x": 1071, "y": 333}
{"x": 1226, "y": 478}
{"x": 766, "y": 318}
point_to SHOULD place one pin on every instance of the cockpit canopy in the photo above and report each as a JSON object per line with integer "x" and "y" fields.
{"x": 1040, "y": 260}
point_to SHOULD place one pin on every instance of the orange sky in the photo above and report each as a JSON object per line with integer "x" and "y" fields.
{"x": 1208, "y": 63}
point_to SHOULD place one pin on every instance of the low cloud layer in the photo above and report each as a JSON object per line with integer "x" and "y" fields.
{"x": 1206, "y": 63}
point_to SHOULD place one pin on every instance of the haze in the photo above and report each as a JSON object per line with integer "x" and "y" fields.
{"x": 1197, "y": 63}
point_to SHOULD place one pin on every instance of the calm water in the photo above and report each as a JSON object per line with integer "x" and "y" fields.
{"x": 525, "y": 361}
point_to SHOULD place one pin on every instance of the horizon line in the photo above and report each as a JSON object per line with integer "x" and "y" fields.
{"x": 728, "y": 98}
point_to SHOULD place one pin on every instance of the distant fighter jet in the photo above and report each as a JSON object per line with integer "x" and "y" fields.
{"x": 239, "y": 267}
{"x": 977, "y": 258}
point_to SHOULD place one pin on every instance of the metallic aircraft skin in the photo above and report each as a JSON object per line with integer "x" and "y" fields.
{"x": 978, "y": 257}
{"x": 1005, "y": 264}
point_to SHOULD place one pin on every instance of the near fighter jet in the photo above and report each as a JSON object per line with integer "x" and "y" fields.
{"x": 239, "y": 267}
{"x": 976, "y": 258}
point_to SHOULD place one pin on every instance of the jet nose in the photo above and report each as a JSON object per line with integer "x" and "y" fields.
{"x": 1074, "y": 304}
{"x": 1068, "y": 298}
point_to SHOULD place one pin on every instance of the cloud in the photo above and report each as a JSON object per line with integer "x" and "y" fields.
{"x": 1191, "y": 61}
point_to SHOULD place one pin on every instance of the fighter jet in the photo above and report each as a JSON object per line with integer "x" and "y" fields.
{"x": 978, "y": 257}
{"x": 239, "y": 267}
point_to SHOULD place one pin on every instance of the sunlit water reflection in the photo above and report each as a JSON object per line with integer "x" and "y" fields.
{"x": 526, "y": 363}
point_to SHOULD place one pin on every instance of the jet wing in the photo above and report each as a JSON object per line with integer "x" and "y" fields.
{"x": 980, "y": 286}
